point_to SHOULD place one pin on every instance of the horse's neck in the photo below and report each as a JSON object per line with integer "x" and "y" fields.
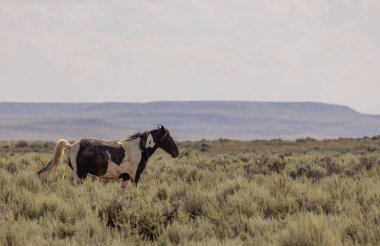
{"x": 136, "y": 142}
{"x": 131, "y": 143}
{"x": 152, "y": 150}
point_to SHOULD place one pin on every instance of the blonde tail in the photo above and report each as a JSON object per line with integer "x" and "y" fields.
{"x": 59, "y": 151}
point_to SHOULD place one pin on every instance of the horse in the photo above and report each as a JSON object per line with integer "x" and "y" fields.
{"x": 123, "y": 159}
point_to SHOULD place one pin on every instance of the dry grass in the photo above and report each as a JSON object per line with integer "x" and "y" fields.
{"x": 222, "y": 192}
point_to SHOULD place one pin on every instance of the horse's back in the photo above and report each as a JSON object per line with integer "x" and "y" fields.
{"x": 92, "y": 147}
{"x": 94, "y": 155}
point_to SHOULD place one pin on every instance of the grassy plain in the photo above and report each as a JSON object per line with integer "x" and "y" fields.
{"x": 303, "y": 192}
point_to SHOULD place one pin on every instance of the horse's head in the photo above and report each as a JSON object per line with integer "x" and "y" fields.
{"x": 161, "y": 138}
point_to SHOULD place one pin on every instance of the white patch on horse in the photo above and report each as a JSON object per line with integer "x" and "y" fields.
{"x": 150, "y": 141}
{"x": 113, "y": 170}
{"x": 128, "y": 165}
{"x": 73, "y": 153}
{"x": 133, "y": 157}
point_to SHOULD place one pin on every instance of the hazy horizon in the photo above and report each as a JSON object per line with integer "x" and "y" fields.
{"x": 135, "y": 102}
{"x": 193, "y": 120}
{"x": 265, "y": 51}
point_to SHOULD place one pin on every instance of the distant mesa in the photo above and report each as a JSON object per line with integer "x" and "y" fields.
{"x": 187, "y": 120}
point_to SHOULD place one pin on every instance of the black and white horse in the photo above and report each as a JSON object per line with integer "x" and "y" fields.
{"x": 125, "y": 159}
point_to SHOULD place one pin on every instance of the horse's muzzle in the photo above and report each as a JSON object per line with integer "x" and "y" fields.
{"x": 175, "y": 154}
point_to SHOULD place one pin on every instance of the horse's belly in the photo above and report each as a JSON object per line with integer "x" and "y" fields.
{"x": 113, "y": 172}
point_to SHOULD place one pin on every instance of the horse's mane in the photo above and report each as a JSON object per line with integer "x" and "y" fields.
{"x": 139, "y": 134}
{"x": 134, "y": 136}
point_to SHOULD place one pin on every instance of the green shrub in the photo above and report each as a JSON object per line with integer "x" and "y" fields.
{"x": 309, "y": 230}
{"x": 233, "y": 193}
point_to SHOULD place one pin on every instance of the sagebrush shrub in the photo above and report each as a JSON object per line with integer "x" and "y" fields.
{"x": 216, "y": 193}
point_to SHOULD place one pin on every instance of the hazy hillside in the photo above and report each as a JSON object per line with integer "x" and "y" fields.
{"x": 186, "y": 120}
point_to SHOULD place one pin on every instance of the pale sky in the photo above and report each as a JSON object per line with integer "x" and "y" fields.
{"x": 141, "y": 51}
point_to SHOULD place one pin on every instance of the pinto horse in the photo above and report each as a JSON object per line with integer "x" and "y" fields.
{"x": 125, "y": 159}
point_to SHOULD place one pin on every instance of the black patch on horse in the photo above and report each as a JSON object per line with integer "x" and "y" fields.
{"x": 142, "y": 165}
{"x": 93, "y": 157}
{"x": 125, "y": 176}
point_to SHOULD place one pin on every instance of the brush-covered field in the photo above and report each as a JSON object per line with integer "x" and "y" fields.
{"x": 304, "y": 192}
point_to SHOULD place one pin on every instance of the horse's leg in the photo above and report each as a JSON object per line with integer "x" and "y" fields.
{"x": 124, "y": 182}
{"x": 74, "y": 165}
{"x": 137, "y": 178}
{"x": 82, "y": 173}
{"x": 139, "y": 170}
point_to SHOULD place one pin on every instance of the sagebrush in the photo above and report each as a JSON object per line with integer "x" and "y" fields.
{"x": 303, "y": 192}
